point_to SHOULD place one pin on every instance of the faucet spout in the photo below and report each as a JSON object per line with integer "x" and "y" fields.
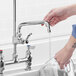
{"x": 48, "y": 27}
{"x": 34, "y": 23}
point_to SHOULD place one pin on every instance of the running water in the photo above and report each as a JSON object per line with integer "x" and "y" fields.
{"x": 51, "y": 67}
{"x": 50, "y": 52}
{"x": 47, "y": 68}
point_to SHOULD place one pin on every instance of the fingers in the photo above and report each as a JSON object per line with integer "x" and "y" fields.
{"x": 47, "y": 16}
{"x": 51, "y": 18}
{"x": 61, "y": 66}
{"x": 67, "y": 63}
{"x": 54, "y": 21}
{"x": 61, "y": 62}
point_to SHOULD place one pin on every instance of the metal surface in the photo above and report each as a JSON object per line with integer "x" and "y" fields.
{"x": 12, "y": 62}
{"x": 1, "y": 63}
{"x": 33, "y": 23}
{"x": 19, "y": 34}
{"x": 14, "y": 31}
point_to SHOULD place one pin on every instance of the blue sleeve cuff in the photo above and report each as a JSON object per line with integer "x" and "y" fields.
{"x": 74, "y": 30}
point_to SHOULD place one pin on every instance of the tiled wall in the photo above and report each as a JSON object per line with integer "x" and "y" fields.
{"x": 28, "y": 10}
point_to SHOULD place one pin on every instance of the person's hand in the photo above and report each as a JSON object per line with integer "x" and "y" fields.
{"x": 64, "y": 55}
{"x": 56, "y": 15}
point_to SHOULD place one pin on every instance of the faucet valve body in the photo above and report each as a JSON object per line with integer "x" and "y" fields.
{"x": 19, "y": 40}
{"x": 29, "y": 58}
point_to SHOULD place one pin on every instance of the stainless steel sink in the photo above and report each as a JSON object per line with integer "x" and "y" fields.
{"x": 74, "y": 66}
{"x": 75, "y": 69}
{"x": 35, "y": 71}
{"x": 61, "y": 73}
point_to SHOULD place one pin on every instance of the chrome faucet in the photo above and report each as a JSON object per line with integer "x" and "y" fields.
{"x": 18, "y": 38}
{"x": 17, "y": 35}
{"x": 33, "y": 23}
{"x": 1, "y": 63}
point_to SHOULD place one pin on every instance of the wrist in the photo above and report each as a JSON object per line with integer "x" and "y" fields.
{"x": 69, "y": 48}
{"x": 70, "y": 44}
{"x": 71, "y": 9}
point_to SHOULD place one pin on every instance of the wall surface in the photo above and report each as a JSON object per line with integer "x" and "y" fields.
{"x": 29, "y": 10}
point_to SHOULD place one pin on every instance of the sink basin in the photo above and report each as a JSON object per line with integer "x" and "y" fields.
{"x": 75, "y": 69}
{"x": 21, "y": 71}
{"x": 74, "y": 62}
{"x": 34, "y": 72}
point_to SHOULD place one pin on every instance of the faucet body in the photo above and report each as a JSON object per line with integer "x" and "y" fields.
{"x": 33, "y": 23}
{"x": 17, "y": 36}
{"x": 14, "y": 33}
{"x": 19, "y": 40}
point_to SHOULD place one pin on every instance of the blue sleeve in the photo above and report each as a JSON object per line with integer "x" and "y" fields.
{"x": 74, "y": 30}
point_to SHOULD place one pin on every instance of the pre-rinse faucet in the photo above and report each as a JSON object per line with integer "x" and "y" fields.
{"x": 17, "y": 34}
{"x": 34, "y": 23}
{"x": 17, "y": 39}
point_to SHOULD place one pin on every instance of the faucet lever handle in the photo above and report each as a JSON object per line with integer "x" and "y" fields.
{"x": 28, "y": 35}
{"x": 28, "y": 38}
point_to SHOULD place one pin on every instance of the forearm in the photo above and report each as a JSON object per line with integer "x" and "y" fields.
{"x": 71, "y": 9}
{"x": 71, "y": 44}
